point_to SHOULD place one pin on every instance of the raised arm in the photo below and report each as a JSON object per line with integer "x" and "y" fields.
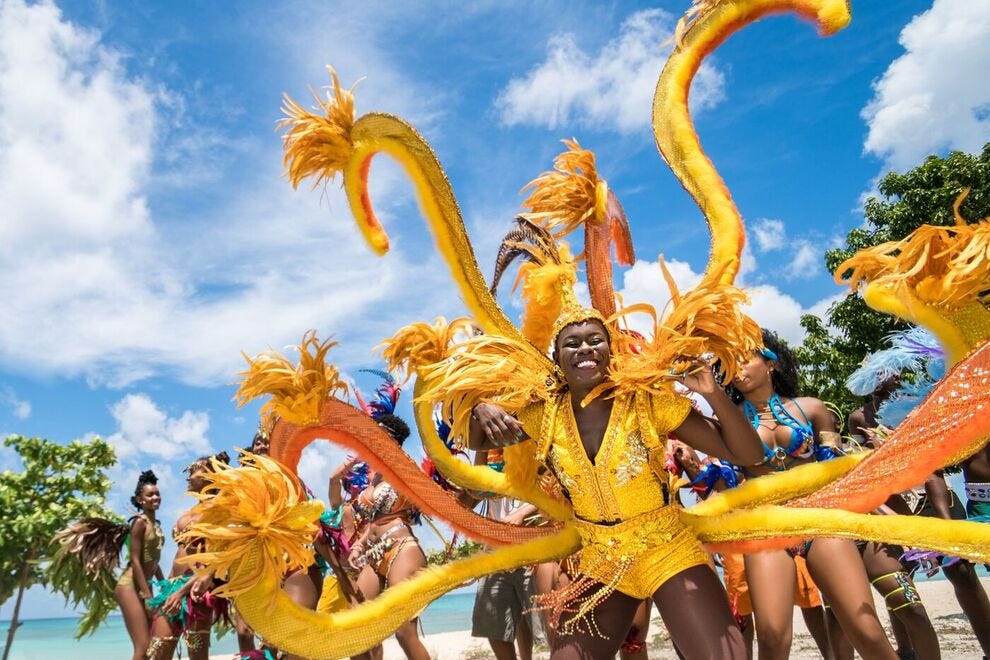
{"x": 732, "y": 437}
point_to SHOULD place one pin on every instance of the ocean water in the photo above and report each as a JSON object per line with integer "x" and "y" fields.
{"x": 52, "y": 639}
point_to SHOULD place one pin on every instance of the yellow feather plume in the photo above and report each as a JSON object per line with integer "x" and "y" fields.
{"x": 490, "y": 369}
{"x": 257, "y": 510}
{"x": 543, "y": 290}
{"x": 318, "y": 145}
{"x": 297, "y": 390}
{"x": 421, "y": 344}
{"x": 945, "y": 267}
{"x": 566, "y": 197}
{"x": 706, "y": 320}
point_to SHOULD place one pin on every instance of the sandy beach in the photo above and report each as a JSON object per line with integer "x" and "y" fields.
{"x": 953, "y": 629}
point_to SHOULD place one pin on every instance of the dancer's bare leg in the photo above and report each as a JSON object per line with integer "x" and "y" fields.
{"x": 972, "y": 599}
{"x": 696, "y": 611}
{"x": 407, "y": 563}
{"x": 136, "y": 618}
{"x": 772, "y": 577}
{"x": 613, "y": 617}
{"x": 837, "y": 569}
{"x": 814, "y": 620}
{"x": 888, "y": 576}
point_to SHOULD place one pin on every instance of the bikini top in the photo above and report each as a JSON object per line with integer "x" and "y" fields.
{"x": 800, "y": 446}
{"x": 381, "y": 502}
{"x": 151, "y": 549}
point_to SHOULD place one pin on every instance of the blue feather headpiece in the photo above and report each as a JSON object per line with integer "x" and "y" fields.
{"x": 909, "y": 351}
{"x": 386, "y": 396}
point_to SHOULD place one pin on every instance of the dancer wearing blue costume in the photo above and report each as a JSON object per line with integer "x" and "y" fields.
{"x": 791, "y": 428}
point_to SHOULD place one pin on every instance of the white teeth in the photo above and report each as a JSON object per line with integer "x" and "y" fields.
{"x": 586, "y": 363}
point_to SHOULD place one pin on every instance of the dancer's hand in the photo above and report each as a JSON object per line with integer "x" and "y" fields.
{"x": 356, "y": 558}
{"x": 344, "y": 467}
{"x": 173, "y": 603}
{"x": 698, "y": 377}
{"x": 686, "y": 457}
{"x": 200, "y": 586}
{"x": 498, "y": 427}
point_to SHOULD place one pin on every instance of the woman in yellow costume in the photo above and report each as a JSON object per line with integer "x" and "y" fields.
{"x": 634, "y": 545}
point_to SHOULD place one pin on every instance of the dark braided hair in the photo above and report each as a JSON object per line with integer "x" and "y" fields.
{"x": 785, "y": 376}
{"x": 146, "y": 478}
{"x": 396, "y": 427}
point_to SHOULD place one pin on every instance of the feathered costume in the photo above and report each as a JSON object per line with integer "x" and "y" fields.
{"x": 510, "y": 366}
{"x": 83, "y": 569}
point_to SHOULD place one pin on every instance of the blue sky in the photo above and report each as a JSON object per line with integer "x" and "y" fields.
{"x": 146, "y": 237}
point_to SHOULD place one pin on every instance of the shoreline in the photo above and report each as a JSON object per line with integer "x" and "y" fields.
{"x": 955, "y": 635}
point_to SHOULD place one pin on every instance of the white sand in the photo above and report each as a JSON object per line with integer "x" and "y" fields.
{"x": 955, "y": 635}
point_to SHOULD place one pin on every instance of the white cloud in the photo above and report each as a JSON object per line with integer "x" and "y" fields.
{"x": 936, "y": 95}
{"x": 806, "y": 261}
{"x": 316, "y": 463}
{"x": 611, "y": 89}
{"x": 20, "y": 408}
{"x": 116, "y": 296}
{"x": 769, "y": 234}
{"x": 770, "y": 307}
{"x": 143, "y": 429}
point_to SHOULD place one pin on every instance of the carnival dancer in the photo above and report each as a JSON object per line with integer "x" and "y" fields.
{"x": 183, "y": 605}
{"x": 634, "y": 543}
{"x": 144, "y": 550}
{"x": 889, "y": 574}
{"x": 707, "y": 477}
{"x": 342, "y": 527}
{"x": 388, "y": 552}
{"x": 918, "y": 352}
{"x": 84, "y": 568}
{"x": 790, "y": 428}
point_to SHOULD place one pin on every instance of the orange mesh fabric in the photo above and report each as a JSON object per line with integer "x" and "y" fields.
{"x": 953, "y": 416}
{"x": 350, "y": 427}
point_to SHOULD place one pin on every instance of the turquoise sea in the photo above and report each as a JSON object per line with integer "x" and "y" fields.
{"x": 52, "y": 639}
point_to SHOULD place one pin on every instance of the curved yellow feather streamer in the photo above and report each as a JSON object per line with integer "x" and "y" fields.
{"x": 713, "y": 23}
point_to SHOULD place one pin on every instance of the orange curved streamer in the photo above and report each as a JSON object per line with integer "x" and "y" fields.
{"x": 352, "y": 428}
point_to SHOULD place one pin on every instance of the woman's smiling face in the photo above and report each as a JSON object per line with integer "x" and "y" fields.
{"x": 583, "y": 354}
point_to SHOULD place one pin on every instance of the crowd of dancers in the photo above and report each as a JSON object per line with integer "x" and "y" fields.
{"x": 368, "y": 541}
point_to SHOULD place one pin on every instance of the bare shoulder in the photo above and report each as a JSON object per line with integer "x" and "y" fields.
{"x": 811, "y": 405}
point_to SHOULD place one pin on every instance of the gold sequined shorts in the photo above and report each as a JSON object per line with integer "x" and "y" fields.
{"x": 638, "y": 555}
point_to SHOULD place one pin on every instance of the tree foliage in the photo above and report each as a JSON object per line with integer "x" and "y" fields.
{"x": 58, "y": 484}
{"x": 462, "y": 550}
{"x": 924, "y": 195}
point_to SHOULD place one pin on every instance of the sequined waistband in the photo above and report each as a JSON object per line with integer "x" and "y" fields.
{"x": 668, "y": 510}
{"x": 978, "y": 492}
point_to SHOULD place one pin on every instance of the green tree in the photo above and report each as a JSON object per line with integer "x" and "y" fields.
{"x": 924, "y": 195}
{"x": 58, "y": 484}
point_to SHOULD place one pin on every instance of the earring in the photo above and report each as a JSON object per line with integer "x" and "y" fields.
{"x": 554, "y": 381}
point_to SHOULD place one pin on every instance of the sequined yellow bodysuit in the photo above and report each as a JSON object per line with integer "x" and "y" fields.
{"x": 633, "y": 539}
